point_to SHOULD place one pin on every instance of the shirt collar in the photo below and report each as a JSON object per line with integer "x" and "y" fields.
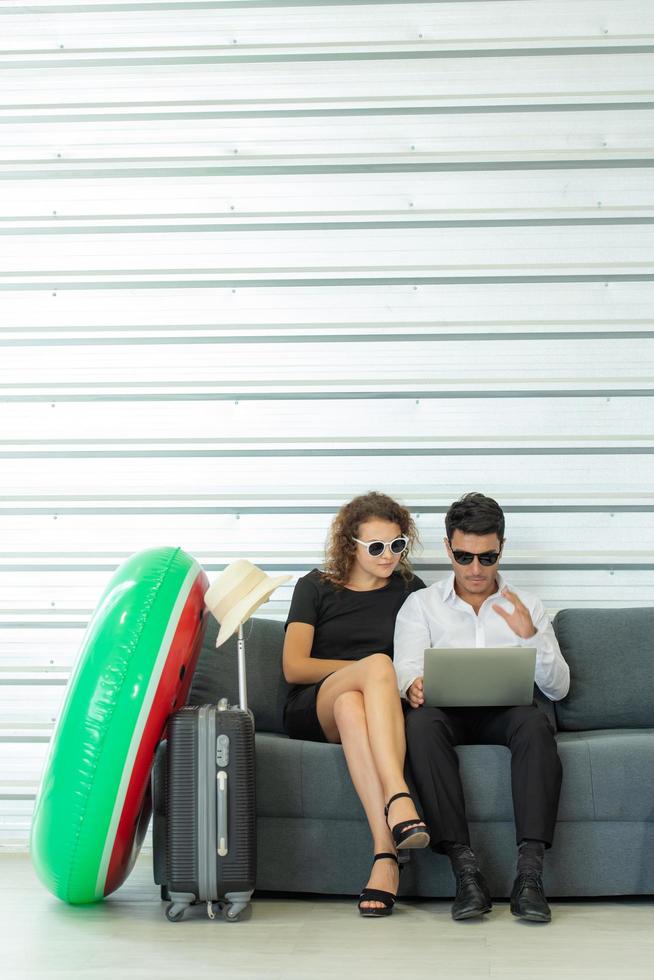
{"x": 447, "y": 587}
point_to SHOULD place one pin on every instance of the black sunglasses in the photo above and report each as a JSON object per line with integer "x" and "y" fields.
{"x": 467, "y": 557}
{"x": 377, "y": 548}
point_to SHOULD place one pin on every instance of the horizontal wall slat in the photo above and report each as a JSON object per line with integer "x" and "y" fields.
{"x": 583, "y": 421}
{"x": 269, "y": 24}
{"x": 490, "y": 194}
{"x": 339, "y": 277}
{"x": 621, "y": 129}
{"x": 490, "y": 304}
{"x": 199, "y": 335}
{"x": 193, "y": 167}
{"x": 147, "y": 57}
{"x": 327, "y": 446}
{"x": 531, "y": 501}
{"x": 572, "y": 474}
{"x": 461, "y": 77}
{"x": 409, "y": 368}
{"x": 382, "y": 253}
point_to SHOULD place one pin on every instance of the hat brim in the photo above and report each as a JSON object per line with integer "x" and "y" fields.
{"x": 246, "y": 607}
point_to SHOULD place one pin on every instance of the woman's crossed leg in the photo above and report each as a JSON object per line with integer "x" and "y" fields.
{"x": 359, "y": 706}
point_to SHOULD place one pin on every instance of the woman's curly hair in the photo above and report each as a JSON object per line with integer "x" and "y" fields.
{"x": 341, "y": 547}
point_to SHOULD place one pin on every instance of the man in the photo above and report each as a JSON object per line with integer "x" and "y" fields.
{"x": 474, "y": 607}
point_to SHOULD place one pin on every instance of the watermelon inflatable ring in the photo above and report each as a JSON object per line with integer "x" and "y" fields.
{"x": 135, "y": 667}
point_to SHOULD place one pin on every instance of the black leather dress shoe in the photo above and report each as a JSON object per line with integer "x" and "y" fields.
{"x": 472, "y": 895}
{"x": 528, "y": 898}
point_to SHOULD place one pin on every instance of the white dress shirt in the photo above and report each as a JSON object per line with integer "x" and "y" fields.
{"x": 438, "y": 617}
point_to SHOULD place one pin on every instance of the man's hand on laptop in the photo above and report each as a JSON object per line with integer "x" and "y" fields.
{"x": 519, "y": 620}
{"x": 415, "y": 693}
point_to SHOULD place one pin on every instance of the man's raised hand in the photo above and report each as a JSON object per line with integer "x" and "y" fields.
{"x": 519, "y": 620}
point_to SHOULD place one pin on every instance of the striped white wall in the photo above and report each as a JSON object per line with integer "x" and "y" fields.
{"x": 256, "y": 258}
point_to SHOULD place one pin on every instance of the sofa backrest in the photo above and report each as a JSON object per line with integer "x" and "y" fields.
{"x": 216, "y": 674}
{"x": 611, "y": 657}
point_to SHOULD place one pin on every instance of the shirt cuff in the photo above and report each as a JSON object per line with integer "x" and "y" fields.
{"x": 538, "y": 639}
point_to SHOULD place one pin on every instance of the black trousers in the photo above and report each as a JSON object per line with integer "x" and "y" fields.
{"x": 431, "y": 736}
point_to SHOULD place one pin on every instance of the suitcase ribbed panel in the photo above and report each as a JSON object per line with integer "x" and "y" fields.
{"x": 181, "y": 802}
{"x": 236, "y": 871}
{"x": 159, "y": 822}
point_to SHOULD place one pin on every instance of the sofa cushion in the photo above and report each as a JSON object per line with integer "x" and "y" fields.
{"x": 304, "y": 779}
{"x": 620, "y": 767}
{"x": 611, "y": 657}
{"x": 216, "y": 674}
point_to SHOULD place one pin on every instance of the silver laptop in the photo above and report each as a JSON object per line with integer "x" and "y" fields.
{"x": 479, "y": 676}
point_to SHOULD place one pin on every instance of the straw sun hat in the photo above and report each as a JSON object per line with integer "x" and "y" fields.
{"x": 237, "y": 592}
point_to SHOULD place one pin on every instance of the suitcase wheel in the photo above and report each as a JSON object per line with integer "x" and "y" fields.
{"x": 175, "y": 912}
{"x": 232, "y": 911}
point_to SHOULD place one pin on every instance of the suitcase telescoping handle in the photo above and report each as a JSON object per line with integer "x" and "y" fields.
{"x": 242, "y": 681}
{"x": 221, "y": 810}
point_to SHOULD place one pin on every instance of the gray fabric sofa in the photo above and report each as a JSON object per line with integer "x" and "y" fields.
{"x": 312, "y": 834}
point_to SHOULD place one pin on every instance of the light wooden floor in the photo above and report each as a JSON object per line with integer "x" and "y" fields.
{"x": 127, "y": 937}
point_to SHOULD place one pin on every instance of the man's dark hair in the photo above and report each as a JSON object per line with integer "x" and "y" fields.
{"x": 475, "y": 514}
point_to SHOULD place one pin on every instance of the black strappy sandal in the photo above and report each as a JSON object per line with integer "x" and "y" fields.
{"x": 377, "y": 895}
{"x": 407, "y": 833}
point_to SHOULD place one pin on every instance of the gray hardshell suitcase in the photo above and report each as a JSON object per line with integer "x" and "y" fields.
{"x": 204, "y": 808}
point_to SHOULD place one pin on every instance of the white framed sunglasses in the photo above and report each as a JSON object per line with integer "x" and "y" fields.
{"x": 377, "y": 548}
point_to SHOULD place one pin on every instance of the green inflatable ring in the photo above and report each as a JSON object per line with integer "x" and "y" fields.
{"x": 134, "y": 668}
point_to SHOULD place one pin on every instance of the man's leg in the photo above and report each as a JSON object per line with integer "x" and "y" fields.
{"x": 431, "y": 736}
{"x": 536, "y": 785}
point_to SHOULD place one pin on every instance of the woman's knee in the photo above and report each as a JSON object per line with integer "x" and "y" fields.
{"x": 378, "y": 667}
{"x": 349, "y": 710}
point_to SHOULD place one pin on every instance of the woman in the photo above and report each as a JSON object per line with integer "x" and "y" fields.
{"x": 338, "y": 655}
